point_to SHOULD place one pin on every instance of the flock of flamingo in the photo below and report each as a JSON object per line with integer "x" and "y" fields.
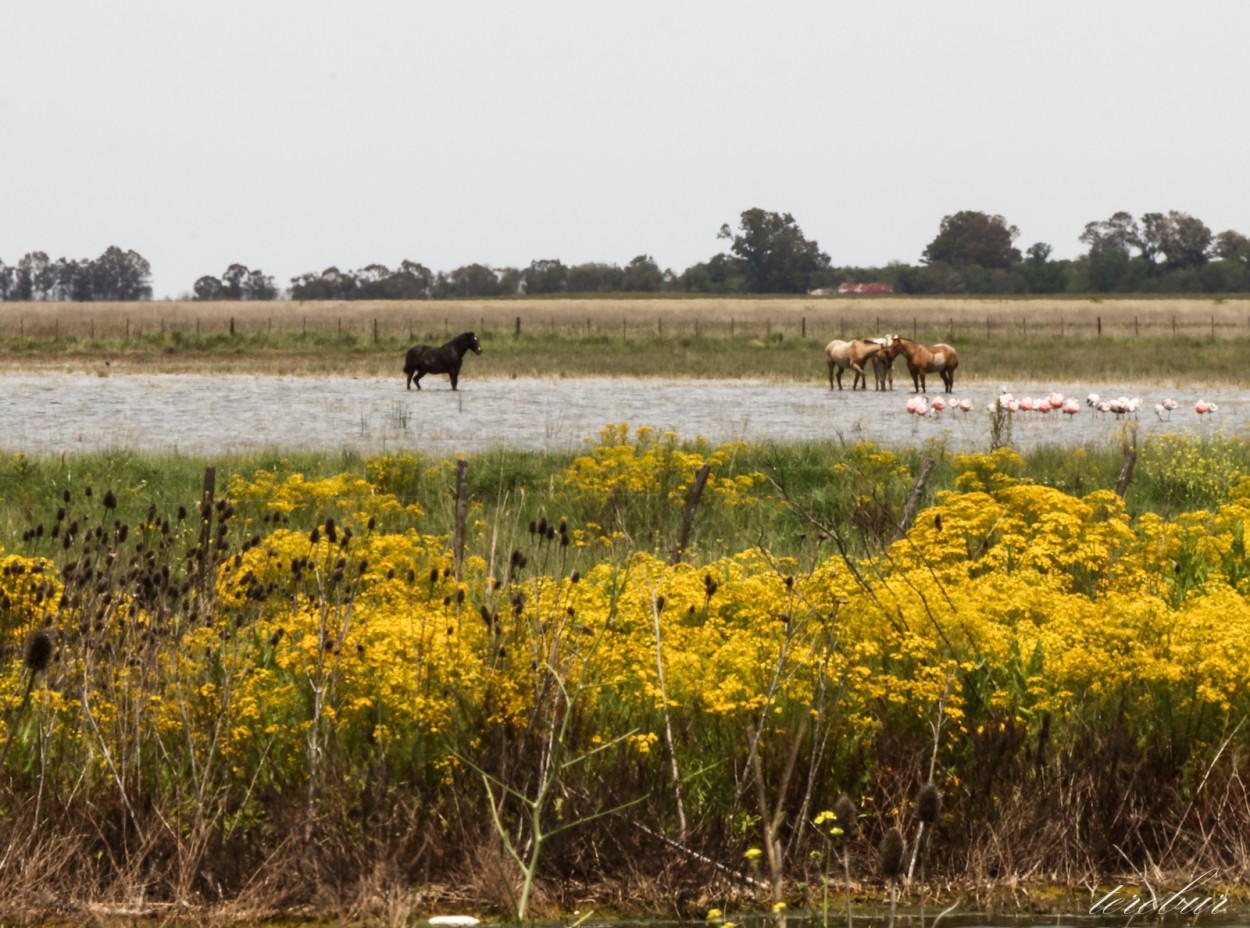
{"x": 1052, "y": 402}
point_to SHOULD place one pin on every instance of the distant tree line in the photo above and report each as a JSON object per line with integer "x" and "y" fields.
{"x": 973, "y": 253}
{"x": 115, "y": 275}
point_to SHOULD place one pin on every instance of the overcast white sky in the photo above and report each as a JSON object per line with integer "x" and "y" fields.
{"x": 291, "y": 135}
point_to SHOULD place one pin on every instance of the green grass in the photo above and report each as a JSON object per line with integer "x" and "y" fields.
{"x": 782, "y": 356}
{"x": 812, "y": 495}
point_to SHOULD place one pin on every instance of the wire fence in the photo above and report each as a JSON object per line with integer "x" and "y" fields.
{"x": 814, "y": 323}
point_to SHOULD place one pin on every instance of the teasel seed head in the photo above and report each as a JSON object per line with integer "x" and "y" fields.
{"x": 891, "y": 853}
{"x": 38, "y": 651}
{"x": 929, "y": 803}
{"x": 847, "y": 815}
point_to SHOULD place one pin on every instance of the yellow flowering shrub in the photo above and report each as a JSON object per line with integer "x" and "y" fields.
{"x": 1008, "y": 611}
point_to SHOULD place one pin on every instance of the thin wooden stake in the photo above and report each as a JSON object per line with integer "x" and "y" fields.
{"x": 913, "y": 499}
{"x": 462, "y": 510}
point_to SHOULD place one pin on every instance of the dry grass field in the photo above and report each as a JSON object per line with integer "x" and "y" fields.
{"x": 645, "y": 336}
{"x": 1055, "y": 317}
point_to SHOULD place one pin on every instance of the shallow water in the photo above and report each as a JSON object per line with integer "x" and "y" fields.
{"x": 202, "y": 414}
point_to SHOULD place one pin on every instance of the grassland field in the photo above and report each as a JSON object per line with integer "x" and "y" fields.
{"x": 838, "y": 619}
{"x": 1135, "y": 339}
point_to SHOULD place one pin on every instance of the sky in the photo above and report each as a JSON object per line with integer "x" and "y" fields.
{"x": 295, "y": 135}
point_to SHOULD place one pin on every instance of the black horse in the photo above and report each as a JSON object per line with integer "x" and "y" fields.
{"x": 446, "y": 359}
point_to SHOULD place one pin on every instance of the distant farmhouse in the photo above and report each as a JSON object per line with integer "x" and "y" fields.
{"x": 850, "y": 288}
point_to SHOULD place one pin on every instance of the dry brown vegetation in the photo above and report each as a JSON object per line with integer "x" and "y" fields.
{"x": 662, "y": 315}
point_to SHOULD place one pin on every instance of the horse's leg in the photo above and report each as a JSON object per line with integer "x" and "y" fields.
{"x": 831, "y": 366}
{"x": 417, "y": 379}
{"x": 454, "y": 374}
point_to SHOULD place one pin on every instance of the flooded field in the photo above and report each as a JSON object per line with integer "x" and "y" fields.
{"x": 56, "y": 413}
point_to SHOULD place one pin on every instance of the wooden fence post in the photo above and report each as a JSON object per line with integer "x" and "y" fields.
{"x": 1126, "y": 472}
{"x": 462, "y": 509}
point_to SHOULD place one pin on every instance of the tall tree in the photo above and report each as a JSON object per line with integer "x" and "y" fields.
{"x": 1119, "y": 234}
{"x": 470, "y": 280}
{"x": 546, "y": 276}
{"x": 1186, "y": 241}
{"x": 121, "y": 275}
{"x": 413, "y": 281}
{"x": 775, "y": 255}
{"x": 35, "y": 277}
{"x": 970, "y": 237}
{"x": 642, "y": 275}
{"x": 1040, "y": 274}
{"x": 208, "y": 288}
{"x": 259, "y": 286}
{"x": 594, "y": 277}
{"x": 1232, "y": 246}
{"x": 330, "y": 284}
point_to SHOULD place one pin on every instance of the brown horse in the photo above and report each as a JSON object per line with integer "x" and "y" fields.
{"x": 926, "y": 359}
{"x": 445, "y": 359}
{"x": 883, "y": 364}
{"x": 839, "y": 355}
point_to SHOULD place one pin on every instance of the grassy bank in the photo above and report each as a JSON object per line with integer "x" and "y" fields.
{"x": 283, "y": 683}
{"x": 1123, "y": 340}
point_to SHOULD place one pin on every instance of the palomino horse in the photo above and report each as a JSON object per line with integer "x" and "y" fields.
{"x": 925, "y": 359}
{"x": 883, "y": 364}
{"x": 445, "y": 359}
{"x": 839, "y": 355}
